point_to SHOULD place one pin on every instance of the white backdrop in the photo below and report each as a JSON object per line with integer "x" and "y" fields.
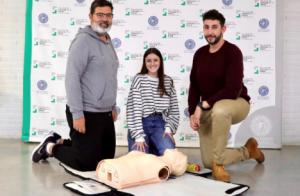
{"x": 174, "y": 27}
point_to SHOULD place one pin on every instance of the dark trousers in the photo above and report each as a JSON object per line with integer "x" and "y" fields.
{"x": 84, "y": 151}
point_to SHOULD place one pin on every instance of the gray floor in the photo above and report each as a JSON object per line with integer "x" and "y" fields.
{"x": 278, "y": 176}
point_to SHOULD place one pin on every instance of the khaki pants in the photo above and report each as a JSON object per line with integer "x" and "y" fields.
{"x": 214, "y": 129}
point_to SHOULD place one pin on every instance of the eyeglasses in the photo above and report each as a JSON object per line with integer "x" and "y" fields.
{"x": 102, "y": 15}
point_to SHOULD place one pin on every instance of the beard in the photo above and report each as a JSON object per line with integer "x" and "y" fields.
{"x": 99, "y": 29}
{"x": 215, "y": 39}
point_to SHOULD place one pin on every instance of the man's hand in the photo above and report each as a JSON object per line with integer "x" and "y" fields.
{"x": 114, "y": 115}
{"x": 79, "y": 125}
{"x": 205, "y": 105}
{"x": 195, "y": 119}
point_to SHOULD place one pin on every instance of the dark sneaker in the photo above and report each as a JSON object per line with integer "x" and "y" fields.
{"x": 40, "y": 152}
{"x": 56, "y": 136}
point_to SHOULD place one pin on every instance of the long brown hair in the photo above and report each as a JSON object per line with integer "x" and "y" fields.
{"x": 160, "y": 72}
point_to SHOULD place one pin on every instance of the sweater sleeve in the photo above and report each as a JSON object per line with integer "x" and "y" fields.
{"x": 194, "y": 93}
{"x": 76, "y": 65}
{"x": 134, "y": 113}
{"x": 233, "y": 79}
{"x": 172, "y": 120}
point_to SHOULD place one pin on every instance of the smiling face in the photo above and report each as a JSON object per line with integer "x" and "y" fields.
{"x": 152, "y": 62}
{"x": 101, "y": 19}
{"x": 213, "y": 31}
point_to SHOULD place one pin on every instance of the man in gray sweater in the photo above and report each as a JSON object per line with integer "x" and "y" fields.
{"x": 91, "y": 87}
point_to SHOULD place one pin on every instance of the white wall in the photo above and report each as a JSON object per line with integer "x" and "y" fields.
{"x": 12, "y": 20}
{"x": 291, "y": 72}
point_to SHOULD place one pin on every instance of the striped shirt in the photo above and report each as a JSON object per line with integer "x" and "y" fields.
{"x": 144, "y": 99}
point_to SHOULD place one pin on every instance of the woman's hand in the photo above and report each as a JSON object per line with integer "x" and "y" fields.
{"x": 140, "y": 146}
{"x": 170, "y": 135}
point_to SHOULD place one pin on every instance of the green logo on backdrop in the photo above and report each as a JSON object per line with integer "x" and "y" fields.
{"x": 183, "y": 92}
{"x": 127, "y": 57}
{"x": 72, "y": 22}
{"x": 238, "y": 36}
{"x": 146, "y": 45}
{"x": 53, "y": 76}
{"x": 36, "y": 42}
{"x": 181, "y": 137}
{"x": 53, "y": 122}
{"x": 256, "y": 49}
{"x": 127, "y": 79}
{"x": 201, "y": 12}
{"x": 201, "y": 35}
{"x": 36, "y": 65}
{"x": 54, "y": 10}
{"x": 182, "y": 69}
{"x": 165, "y": 12}
{"x": 127, "y": 35}
{"x": 54, "y": 32}
{"x": 127, "y": 12}
{"x": 34, "y": 110}
{"x": 256, "y": 71}
{"x": 54, "y": 54}
{"x": 53, "y": 99}
{"x": 165, "y": 57}
{"x": 165, "y": 35}
{"x": 183, "y": 24}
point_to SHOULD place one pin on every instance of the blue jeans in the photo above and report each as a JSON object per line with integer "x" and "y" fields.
{"x": 154, "y": 129}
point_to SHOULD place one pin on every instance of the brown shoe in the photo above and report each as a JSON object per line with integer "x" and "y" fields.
{"x": 254, "y": 151}
{"x": 219, "y": 173}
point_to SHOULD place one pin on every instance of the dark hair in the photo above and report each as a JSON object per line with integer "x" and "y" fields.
{"x": 100, "y": 3}
{"x": 214, "y": 15}
{"x": 160, "y": 71}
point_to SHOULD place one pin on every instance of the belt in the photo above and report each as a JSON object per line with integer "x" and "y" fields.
{"x": 156, "y": 114}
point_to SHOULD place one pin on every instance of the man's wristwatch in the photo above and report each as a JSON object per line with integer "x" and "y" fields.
{"x": 200, "y": 104}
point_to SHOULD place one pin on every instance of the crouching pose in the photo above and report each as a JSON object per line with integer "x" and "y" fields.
{"x": 218, "y": 98}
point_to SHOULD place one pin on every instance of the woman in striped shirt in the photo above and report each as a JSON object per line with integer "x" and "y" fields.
{"x": 152, "y": 107}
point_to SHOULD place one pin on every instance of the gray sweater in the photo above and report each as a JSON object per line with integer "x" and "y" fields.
{"x": 91, "y": 74}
